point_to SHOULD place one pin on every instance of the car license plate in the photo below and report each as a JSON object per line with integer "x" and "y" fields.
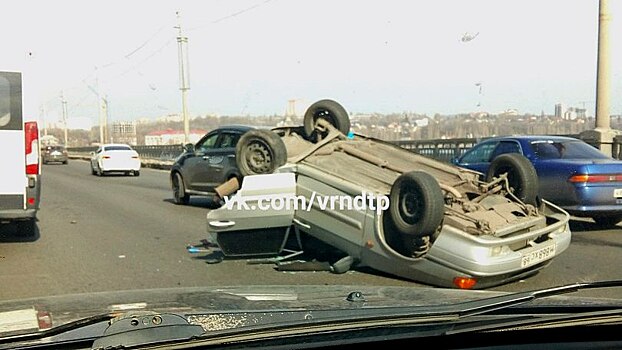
{"x": 617, "y": 193}
{"x": 538, "y": 255}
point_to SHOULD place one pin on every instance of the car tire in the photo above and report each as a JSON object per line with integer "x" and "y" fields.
{"x": 260, "y": 152}
{"x": 607, "y": 221}
{"x": 179, "y": 190}
{"x": 93, "y": 172}
{"x": 328, "y": 110}
{"x": 522, "y": 176}
{"x": 416, "y": 204}
{"x": 26, "y": 228}
{"x": 136, "y": 173}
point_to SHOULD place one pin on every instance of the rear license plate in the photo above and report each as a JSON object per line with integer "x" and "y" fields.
{"x": 617, "y": 193}
{"x": 538, "y": 256}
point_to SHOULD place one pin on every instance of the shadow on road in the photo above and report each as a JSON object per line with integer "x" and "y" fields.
{"x": 590, "y": 233}
{"x": 198, "y": 202}
{"x": 10, "y": 234}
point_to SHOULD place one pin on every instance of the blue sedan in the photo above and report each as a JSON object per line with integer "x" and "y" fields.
{"x": 571, "y": 173}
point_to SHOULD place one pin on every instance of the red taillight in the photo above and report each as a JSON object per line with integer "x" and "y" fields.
{"x": 31, "y": 131}
{"x": 106, "y": 157}
{"x": 595, "y": 178}
{"x": 465, "y": 282}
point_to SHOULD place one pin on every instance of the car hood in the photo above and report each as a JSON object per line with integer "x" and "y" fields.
{"x": 55, "y": 311}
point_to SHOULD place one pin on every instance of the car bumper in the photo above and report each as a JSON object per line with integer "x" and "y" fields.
{"x": 18, "y": 214}
{"x": 121, "y": 166}
{"x": 595, "y": 200}
{"x": 489, "y": 260}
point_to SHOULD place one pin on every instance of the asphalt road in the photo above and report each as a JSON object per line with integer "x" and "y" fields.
{"x": 117, "y": 233}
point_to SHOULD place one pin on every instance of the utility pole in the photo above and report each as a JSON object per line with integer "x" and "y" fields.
{"x": 602, "y": 136}
{"x": 603, "y": 70}
{"x": 99, "y": 109}
{"x": 64, "y": 103}
{"x": 184, "y": 76}
{"x": 107, "y": 135}
{"x": 45, "y": 127}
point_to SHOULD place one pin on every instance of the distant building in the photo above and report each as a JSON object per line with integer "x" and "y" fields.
{"x": 559, "y": 110}
{"x": 124, "y": 132}
{"x": 172, "y": 137}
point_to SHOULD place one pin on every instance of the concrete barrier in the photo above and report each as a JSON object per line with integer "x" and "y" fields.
{"x": 145, "y": 163}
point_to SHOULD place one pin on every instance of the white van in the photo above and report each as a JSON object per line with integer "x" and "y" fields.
{"x": 20, "y": 171}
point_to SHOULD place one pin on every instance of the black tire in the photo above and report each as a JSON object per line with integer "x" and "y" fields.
{"x": 260, "y": 152}
{"x": 607, "y": 221}
{"x": 416, "y": 204}
{"x": 179, "y": 190}
{"x": 522, "y": 176}
{"x": 329, "y": 110}
{"x": 26, "y": 228}
{"x": 137, "y": 173}
{"x": 93, "y": 172}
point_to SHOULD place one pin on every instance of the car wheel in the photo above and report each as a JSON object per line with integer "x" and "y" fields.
{"x": 26, "y": 228}
{"x": 607, "y": 221}
{"x": 136, "y": 173}
{"x": 66, "y": 162}
{"x": 416, "y": 204}
{"x": 260, "y": 152}
{"x": 179, "y": 190}
{"x": 522, "y": 176}
{"x": 330, "y": 111}
{"x": 93, "y": 172}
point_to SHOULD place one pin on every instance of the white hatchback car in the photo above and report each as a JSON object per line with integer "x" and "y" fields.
{"x": 115, "y": 158}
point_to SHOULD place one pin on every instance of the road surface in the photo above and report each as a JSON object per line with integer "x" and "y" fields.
{"x": 117, "y": 232}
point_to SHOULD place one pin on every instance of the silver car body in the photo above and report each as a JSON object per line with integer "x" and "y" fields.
{"x": 494, "y": 241}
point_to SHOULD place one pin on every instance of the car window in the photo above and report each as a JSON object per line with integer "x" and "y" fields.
{"x": 228, "y": 140}
{"x": 479, "y": 154}
{"x": 550, "y": 149}
{"x": 118, "y": 148}
{"x": 506, "y": 147}
{"x": 207, "y": 143}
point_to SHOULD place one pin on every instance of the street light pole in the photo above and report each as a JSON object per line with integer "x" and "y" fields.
{"x": 184, "y": 77}
{"x": 64, "y": 103}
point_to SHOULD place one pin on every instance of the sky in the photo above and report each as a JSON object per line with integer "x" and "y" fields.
{"x": 249, "y": 57}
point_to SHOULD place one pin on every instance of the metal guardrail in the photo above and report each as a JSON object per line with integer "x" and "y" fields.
{"x": 440, "y": 149}
{"x": 161, "y": 152}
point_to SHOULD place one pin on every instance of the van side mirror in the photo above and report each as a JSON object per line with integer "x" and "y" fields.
{"x": 189, "y": 147}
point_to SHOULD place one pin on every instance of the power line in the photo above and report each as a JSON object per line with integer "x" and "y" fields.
{"x": 231, "y": 15}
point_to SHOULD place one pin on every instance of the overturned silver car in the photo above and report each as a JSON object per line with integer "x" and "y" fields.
{"x": 385, "y": 207}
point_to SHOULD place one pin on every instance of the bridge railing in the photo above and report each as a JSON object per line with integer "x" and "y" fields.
{"x": 440, "y": 149}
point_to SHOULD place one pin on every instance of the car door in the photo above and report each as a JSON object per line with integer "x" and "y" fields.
{"x": 196, "y": 165}
{"x": 221, "y": 160}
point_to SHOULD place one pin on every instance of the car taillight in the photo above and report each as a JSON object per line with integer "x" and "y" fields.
{"x": 106, "y": 157}
{"x": 464, "y": 282}
{"x": 579, "y": 178}
{"x": 31, "y": 131}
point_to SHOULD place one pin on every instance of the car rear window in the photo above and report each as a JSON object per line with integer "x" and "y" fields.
{"x": 117, "y": 148}
{"x": 549, "y": 149}
{"x": 54, "y": 148}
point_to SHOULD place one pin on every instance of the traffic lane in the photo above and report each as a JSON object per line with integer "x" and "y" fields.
{"x": 103, "y": 233}
{"x": 110, "y": 233}
{"x": 116, "y": 232}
